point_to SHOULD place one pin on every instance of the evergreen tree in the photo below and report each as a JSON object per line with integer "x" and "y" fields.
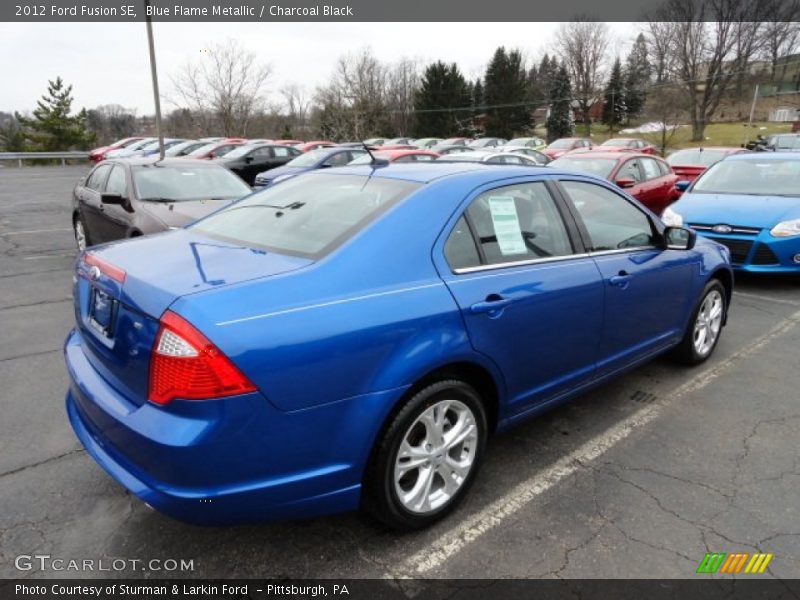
{"x": 637, "y": 75}
{"x": 561, "y": 122}
{"x": 505, "y": 91}
{"x": 442, "y": 91}
{"x": 615, "y": 111}
{"x": 52, "y": 127}
{"x": 546, "y": 74}
{"x": 477, "y": 96}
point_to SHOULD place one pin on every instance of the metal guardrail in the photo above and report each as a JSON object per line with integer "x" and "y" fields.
{"x": 64, "y": 156}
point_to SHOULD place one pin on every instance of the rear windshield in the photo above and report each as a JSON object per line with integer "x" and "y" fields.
{"x": 596, "y": 166}
{"x": 696, "y": 156}
{"x": 306, "y": 216}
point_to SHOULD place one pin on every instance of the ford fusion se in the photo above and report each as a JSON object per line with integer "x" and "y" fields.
{"x": 751, "y": 204}
{"x": 351, "y": 337}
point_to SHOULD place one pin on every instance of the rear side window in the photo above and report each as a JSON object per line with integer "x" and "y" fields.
{"x": 612, "y": 222}
{"x": 460, "y": 250}
{"x": 651, "y": 170}
{"x": 97, "y": 178}
{"x": 281, "y": 152}
{"x": 306, "y": 216}
{"x": 519, "y": 222}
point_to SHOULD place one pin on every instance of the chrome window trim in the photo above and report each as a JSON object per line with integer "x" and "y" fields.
{"x": 518, "y": 263}
{"x": 623, "y": 250}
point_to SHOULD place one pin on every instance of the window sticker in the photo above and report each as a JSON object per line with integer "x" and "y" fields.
{"x": 506, "y": 225}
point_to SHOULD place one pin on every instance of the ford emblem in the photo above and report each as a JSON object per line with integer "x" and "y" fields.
{"x": 94, "y": 273}
{"x": 722, "y": 229}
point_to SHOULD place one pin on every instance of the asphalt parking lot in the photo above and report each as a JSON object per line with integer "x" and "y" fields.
{"x": 639, "y": 478}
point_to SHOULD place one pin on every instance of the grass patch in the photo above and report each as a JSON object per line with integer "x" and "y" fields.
{"x": 716, "y": 134}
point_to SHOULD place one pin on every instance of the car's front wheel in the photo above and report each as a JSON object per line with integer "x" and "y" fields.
{"x": 428, "y": 456}
{"x": 705, "y": 326}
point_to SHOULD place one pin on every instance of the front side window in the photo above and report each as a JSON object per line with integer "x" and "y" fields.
{"x": 630, "y": 170}
{"x": 116, "y": 183}
{"x": 518, "y": 222}
{"x": 98, "y": 178}
{"x": 306, "y": 216}
{"x": 612, "y": 222}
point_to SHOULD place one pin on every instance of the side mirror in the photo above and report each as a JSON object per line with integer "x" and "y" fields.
{"x": 682, "y": 186}
{"x": 248, "y": 159}
{"x": 325, "y": 166}
{"x": 625, "y": 182}
{"x": 679, "y": 238}
{"x": 113, "y": 199}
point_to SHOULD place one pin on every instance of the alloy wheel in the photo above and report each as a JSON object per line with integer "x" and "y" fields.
{"x": 708, "y": 323}
{"x": 435, "y": 457}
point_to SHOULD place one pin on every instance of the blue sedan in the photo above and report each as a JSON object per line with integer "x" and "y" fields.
{"x": 321, "y": 158}
{"x": 351, "y": 337}
{"x": 751, "y": 204}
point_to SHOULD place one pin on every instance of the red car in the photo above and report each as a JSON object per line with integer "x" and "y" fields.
{"x": 689, "y": 163}
{"x": 397, "y": 156}
{"x": 308, "y": 146}
{"x": 99, "y": 154}
{"x": 214, "y": 149}
{"x": 561, "y": 146}
{"x": 647, "y": 178}
{"x": 631, "y": 144}
{"x": 387, "y": 147}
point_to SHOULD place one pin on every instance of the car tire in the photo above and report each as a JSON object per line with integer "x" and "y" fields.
{"x": 82, "y": 240}
{"x": 433, "y": 475}
{"x": 707, "y": 320}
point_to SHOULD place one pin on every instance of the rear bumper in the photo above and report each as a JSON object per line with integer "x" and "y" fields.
{"x": 225, "y": 461}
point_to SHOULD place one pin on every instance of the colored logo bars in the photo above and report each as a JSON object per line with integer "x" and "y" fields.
{"x": 733, "y": 563}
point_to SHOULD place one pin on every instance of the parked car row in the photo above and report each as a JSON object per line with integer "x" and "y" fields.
{"x": 206, "y": 148}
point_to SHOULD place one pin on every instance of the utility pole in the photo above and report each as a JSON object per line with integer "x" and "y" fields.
{"x": 154, "y": 76}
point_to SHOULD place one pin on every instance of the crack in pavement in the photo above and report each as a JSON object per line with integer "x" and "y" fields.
{"x": 76, "y": 450}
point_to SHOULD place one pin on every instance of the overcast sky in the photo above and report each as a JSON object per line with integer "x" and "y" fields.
{"x": 107, "y": 63}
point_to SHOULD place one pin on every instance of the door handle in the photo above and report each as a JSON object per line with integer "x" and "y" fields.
{"x": 494, "y": 303}
{"x": 622, "y": 279}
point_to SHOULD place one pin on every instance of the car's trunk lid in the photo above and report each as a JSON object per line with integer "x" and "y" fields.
{"x": 122, "y": 289}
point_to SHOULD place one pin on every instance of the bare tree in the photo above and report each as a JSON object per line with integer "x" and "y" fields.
{"x": 225, "y": 89}
{"x": 659, "y": 49}
{"x": 667, "y": 107}
{"x": 712, "y": 42}
{"x": 781, "y": 35}
{"x": 583, "y": 45}
{"x": 298, "y": 105}
{"x": 402, "y": 84}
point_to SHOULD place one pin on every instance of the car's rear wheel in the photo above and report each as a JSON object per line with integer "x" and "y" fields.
{"x": 81, "y": 237}
{"x": 427, "y": 457}
{"x": 705, "y": 326}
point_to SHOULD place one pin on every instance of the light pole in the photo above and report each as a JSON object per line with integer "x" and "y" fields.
{"x": 154, "y": 76}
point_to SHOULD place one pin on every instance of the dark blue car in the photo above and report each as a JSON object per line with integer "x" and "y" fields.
{"x": 352, "y": 336}
{"x": 751, "y": 204}
{"x": 322, "y": 158}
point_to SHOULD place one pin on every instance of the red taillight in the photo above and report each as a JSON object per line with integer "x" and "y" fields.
{"x": 184, "y": 364}
{"x": 106, "y": 268}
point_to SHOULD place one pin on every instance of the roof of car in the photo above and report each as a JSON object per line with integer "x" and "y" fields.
{"x": 764, "y": 156}
{"x": 169, "y": 161}
{"x": 435, "y": 170}
{"x": 611, "y": 155}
